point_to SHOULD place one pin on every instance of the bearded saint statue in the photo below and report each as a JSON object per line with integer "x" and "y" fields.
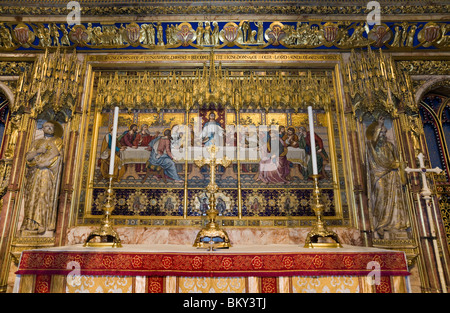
{"x": 43, "y": 170}
{"x": 386, "y": 196}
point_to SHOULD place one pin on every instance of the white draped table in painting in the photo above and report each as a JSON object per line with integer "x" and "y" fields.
{"x": 250, "y": 155}
{"x": 141, "y": 155}
{"x": 134, "y": 155}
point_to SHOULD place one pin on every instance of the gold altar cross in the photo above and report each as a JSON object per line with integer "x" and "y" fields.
{"x": 212, "y": 161}
{"x": 212, "y": 230}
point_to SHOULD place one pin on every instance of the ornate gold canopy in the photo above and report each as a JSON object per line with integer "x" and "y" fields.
{"x": 375, "y": 83}
{"x": 277, "y": 89}
{"x": 54, "y": 81}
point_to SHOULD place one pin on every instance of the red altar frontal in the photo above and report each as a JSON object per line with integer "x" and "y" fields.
{"x": 179, "y": 269}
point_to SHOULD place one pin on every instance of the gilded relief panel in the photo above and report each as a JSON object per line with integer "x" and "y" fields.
{"x": 246, "y": 34}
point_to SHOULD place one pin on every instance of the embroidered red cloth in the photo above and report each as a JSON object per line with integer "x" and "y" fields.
{"x": 307, "y": 262}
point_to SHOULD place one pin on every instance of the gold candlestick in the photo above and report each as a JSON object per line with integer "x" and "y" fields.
{"x": 319, "y": 230}
{"x": 108, "y": 236}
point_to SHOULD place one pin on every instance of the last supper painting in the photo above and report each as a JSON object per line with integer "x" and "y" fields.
{"x": 270, "y": 149}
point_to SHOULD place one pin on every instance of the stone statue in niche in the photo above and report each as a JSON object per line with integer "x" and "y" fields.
{"x": 44, "y": 160}
{"x": 386, "y": 195}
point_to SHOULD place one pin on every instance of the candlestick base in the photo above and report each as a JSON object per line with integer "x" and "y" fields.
{"x": 212, "y": 235}
{"x": 318, "y": 236}
{"x": 107, "y": 235}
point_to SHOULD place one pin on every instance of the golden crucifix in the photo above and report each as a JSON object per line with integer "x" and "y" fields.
{"x": 212, "y": 235}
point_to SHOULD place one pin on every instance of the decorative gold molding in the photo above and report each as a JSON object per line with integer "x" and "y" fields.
{"x": 247, "y": 35}
{"x": 425, "y": 67}
{"x": 204, "y": 57}
{"x": 20, "y": 244}
{"x": 54, "y": 80}
{"x": 407, "y": 245}
{"x": 95, "y": 8}
{"x": 13, "y": 68}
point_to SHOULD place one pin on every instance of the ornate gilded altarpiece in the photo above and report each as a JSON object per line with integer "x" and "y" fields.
{"x": 244, "y": 198}
{"x": 149, "y": 57}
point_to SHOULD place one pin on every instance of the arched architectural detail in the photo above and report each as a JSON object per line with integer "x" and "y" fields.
{"x": 7, "y": 92}
{"x": 432, "y": 83}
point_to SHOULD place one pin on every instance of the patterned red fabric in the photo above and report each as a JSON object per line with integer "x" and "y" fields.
{"x": 212, "y": 264}
{"x": 42, "y": 284}
{"x": 269, "y": 285}
{"x": 384, "y": 286}
{"x": 155, "y": 284}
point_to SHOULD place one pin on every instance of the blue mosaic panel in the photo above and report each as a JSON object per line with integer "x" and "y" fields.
{"x": 141, "y": 202}
{"x": 281, "y": 202}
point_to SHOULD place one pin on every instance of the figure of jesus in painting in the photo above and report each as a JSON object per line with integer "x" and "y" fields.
{"x": 212, "y": 132}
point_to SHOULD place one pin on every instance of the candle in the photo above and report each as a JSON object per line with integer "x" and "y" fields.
{"x": 113, "y": 140}
{"x": 313, "y": 141}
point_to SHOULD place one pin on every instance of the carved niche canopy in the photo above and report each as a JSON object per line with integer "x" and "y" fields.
{"x": 54, "y": 82}
{"x": 376, "y": 83}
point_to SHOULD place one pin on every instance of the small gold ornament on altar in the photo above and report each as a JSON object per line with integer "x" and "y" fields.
{"x": 212, "y": 236}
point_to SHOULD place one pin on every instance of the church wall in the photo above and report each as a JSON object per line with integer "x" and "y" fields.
{"x": 274, "y": 46}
